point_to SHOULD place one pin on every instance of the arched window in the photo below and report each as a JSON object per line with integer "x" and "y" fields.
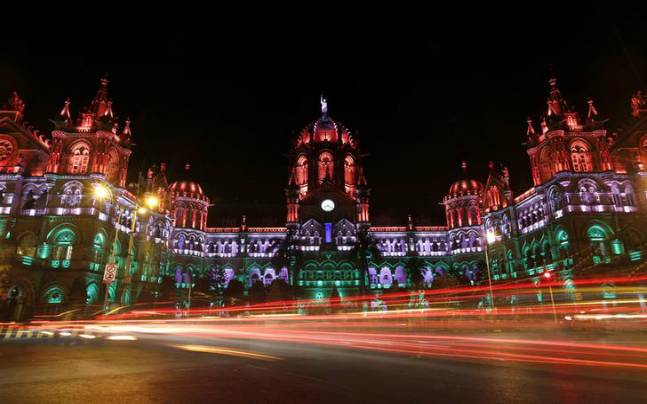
{"x": 26, "y": 245}
{"x": 54, "y": 295}
{"x": 581, "y": 157}
{"x": 63, "y": 245}
{"x": 386, "y": 279}
{"x": 629, "y": 195}
{"x": 98, "y": 247}
{"x": 301, "y": 174}
{"x": 350, "y": 173}
{"x": 91, "y": 293}
{"x": 562, "y": 243}
{"x": 6, "y": 150}
{"x": 598, "y": 238}
{"x": 72, "y": 193}
{"x": 79, "y": 158}
{"x": 510, "y": 262}
{"x": 326, "y": 167}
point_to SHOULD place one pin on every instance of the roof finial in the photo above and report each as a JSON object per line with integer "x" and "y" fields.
{"x": 108, "y": 110}
{"x": 65, "y": 112}
{"x": 464, "y": 167}
{"x": 592, "y": 111}
{"x": 324, "y": 105}
{"x": 187, "y": 166}
{"x": 126, "y": 131}
{"x": 531, "y": 129}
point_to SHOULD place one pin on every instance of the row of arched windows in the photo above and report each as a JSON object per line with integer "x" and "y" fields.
{"x": 325, "y": 171}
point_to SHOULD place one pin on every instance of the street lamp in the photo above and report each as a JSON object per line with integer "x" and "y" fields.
{"x": 549, "y": 277}
{"x": 103, "y": 192}
{"x": 490, "y": 238}
{"x": 152, "y": 202}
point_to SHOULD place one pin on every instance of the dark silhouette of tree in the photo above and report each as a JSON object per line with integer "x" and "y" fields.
{"x": 365, "y": 249}
{"x": 167, "y": 289}
{"x": 257, "y": 292}
{"x": 234, "y": 292}
{"x": 414, "y": 268}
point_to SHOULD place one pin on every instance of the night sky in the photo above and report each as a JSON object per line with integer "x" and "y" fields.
{"x": 228, "y": 92}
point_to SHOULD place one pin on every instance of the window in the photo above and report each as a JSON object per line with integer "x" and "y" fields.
{"x": 301, "y": 174}
{"x": 99, "y": 242}
{"x": 6, "y": 150}
{"x": 79, "y": 159}
{"x": 26, "y": 245}
{"x": 63, "y": 245}
{"x": 350, "y": 174}
{"x": 581, "y": 157}
{"x": 598, "y": 239}
{"x": 326, "y": 167}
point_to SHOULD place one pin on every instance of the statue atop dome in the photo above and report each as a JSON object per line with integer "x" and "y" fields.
{"x": 324, "y": 105}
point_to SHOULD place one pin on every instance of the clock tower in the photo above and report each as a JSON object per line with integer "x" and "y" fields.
{"x": 326, "y": 182}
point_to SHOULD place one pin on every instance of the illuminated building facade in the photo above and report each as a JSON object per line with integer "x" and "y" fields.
{"x": 585, "y": 211}
{"x": 55, "y": 231}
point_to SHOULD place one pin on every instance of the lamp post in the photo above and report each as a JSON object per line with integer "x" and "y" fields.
{"x": 490, "y": 238}
{"x": 151, "y": 202}
{"x": 103, "y": 192}
{"x": 549, "y": 277}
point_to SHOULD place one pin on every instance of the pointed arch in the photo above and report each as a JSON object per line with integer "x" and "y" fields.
{"x": 326, "y": 167}
{"x": 581, "y": 157}
{"x": 79, "y": 157}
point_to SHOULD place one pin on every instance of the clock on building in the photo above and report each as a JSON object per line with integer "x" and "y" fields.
{"x": 327, "y": 205}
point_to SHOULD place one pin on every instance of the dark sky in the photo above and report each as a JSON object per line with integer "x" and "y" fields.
{"x": 424, "y": 89}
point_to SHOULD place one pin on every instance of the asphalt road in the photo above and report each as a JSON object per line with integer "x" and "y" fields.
{"x": 162, "y": 370}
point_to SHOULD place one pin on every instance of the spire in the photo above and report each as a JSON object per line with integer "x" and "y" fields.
{"x": 65, "y": 112}
{"x": 544, "y": 125}
{"x": 556, "y": 103}
{"x": 108, "y": 110}
{"x": 324, "y": 105}
{"x": 531, "y": 129}
{"x": 592, "y": 111}
{"x": 100, "y": 105}
{"x": 464, "y": 168}
{"x": 126, "y": 133}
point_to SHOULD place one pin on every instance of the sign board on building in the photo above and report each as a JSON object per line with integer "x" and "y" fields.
{"x": 110, "y": 273}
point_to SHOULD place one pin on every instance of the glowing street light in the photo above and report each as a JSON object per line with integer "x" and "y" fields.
{"x": 102, "y": 192}
{"x": 152, "y": 202}
{"x": 549, "y": 276}
{"x": 490, "y": 238}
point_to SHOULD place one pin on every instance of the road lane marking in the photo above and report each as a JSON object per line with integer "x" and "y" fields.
{"x": 227, "y": 351}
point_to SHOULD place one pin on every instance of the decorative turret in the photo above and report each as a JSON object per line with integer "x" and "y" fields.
{"x": 497, "y": 193}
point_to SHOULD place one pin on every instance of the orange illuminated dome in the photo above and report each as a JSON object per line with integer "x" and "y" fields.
{"x": 187, "y": 188}
{"x": 465, "y": 186}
